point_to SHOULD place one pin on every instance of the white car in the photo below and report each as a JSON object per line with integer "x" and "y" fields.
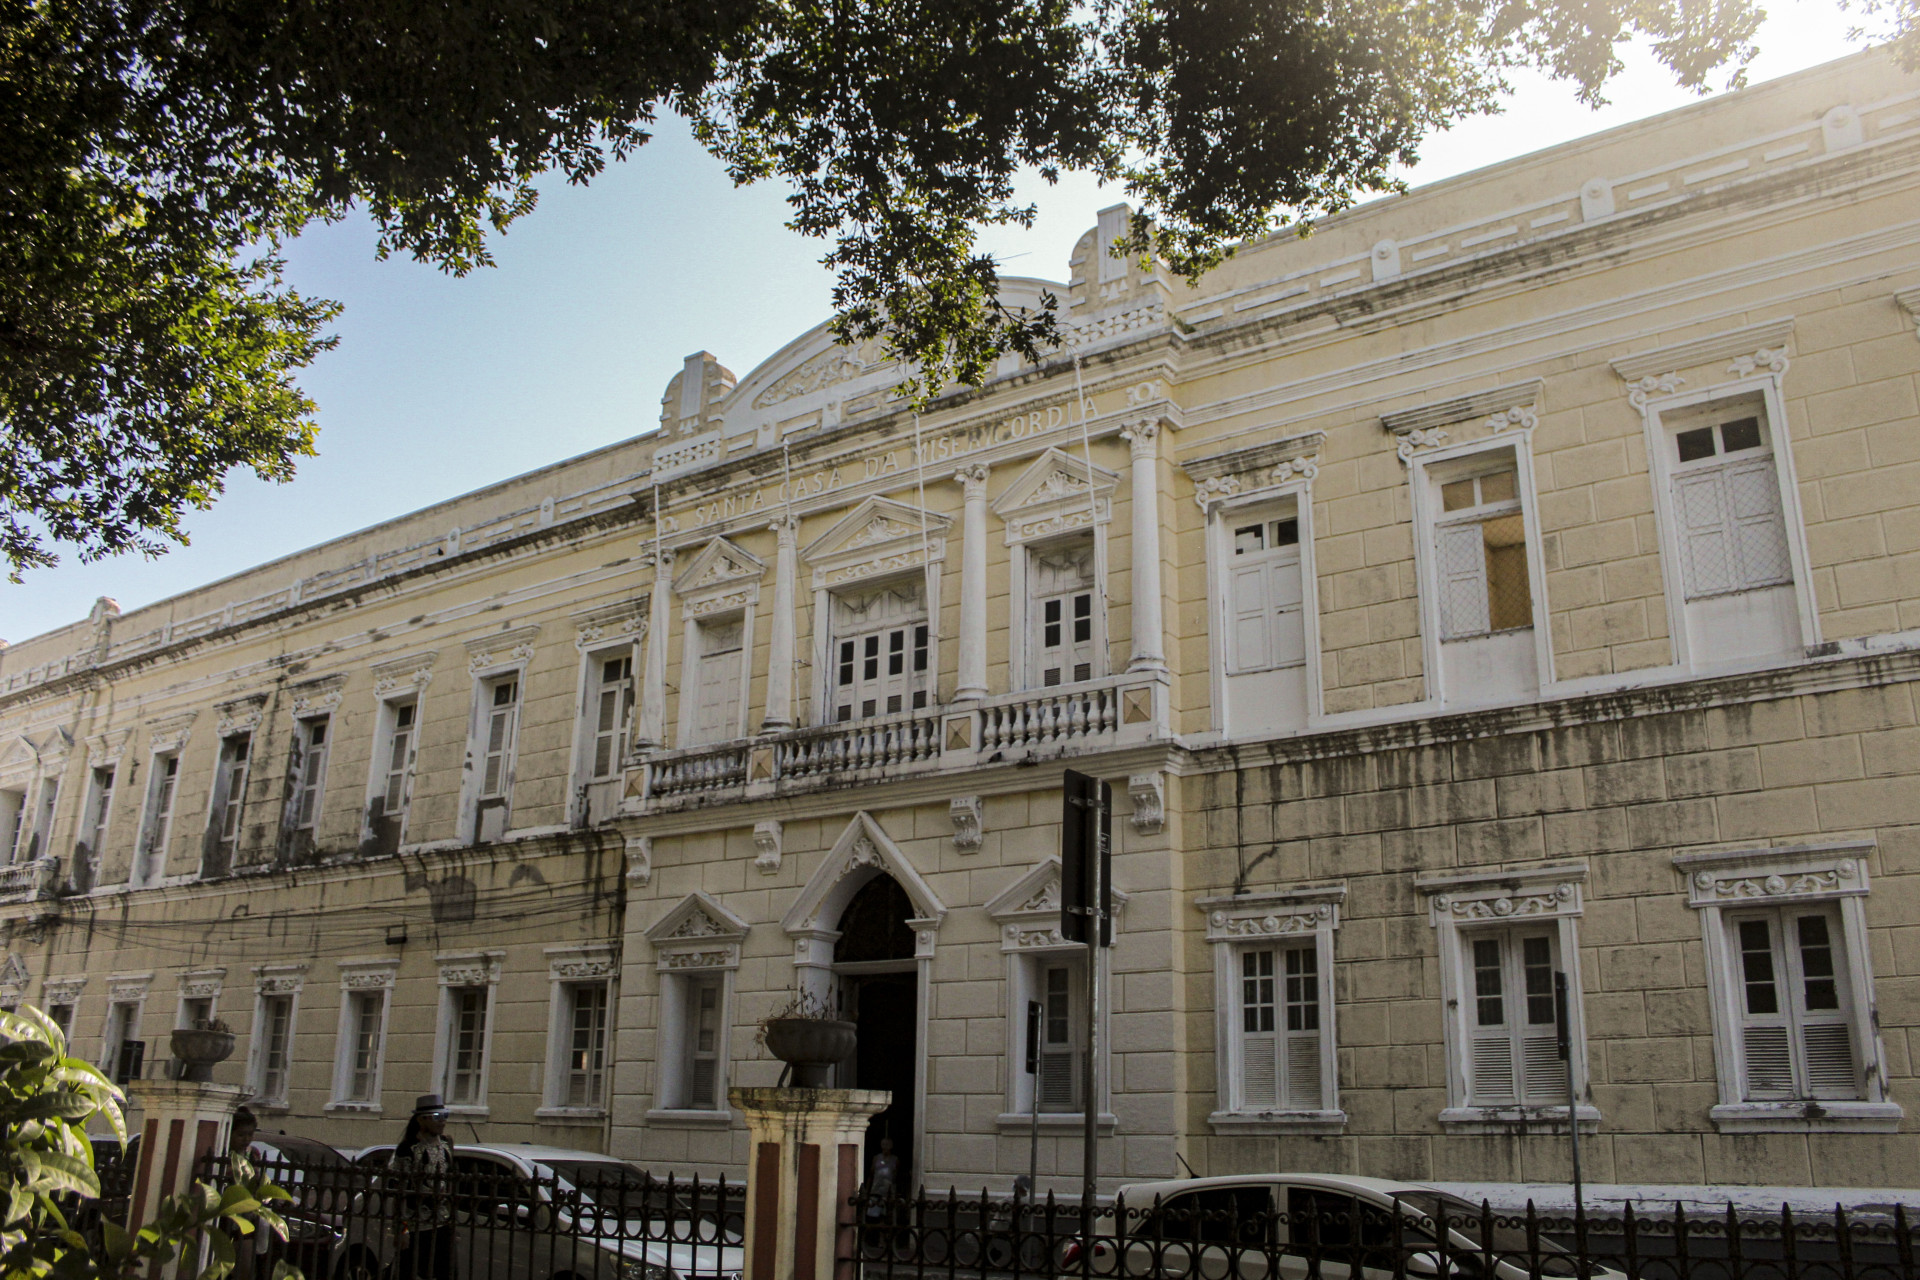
{"x": 551, "y": 1213}
{"x": 1246, "y": 1227}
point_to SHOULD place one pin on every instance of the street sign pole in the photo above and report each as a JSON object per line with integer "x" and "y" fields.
{"x": 1563, "y": 1029}
{"x": 1033, "y": 1070}
{"x": 1086, "y": 899}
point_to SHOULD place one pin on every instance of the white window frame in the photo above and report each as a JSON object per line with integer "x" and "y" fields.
{"x": 273, "y": 981}
{"x": 370, "y": 978}
{"x": 380, "y": 771}
{"x": 126, "y": 992}
{"x": 1550, "y": 897}
{"x": 1222, "y": 513}
{"x": 156, "y": 820}
{"x": 605, "y": 634}
{"x": 460, "y": 970}
{"x": 1057, "y": 496}
{"x": 13, "y": 820}
{"x": 697, "y": 938}
{"x": 492, "y": 661}
{"x": 1428, "y": 518}
{"x": 64, "y": 993}
{"x": 570, "y": 967}
{"x": 1655, "y": 409}
{"x": 718, "y": 582}
{"x": 1719, "y": 885}
{"x": 697, "y": 616}
{"x": 929, "y": 682}
{"x": 1028, "y": 915}
{"x": 1241, "y": 923}
{"x": 298, "y": 788}
{"x": 221, "y": 802}
{"x": 97, "y": 818}
{"x": 37, "y": 831}
{"x": 199, "y": 984}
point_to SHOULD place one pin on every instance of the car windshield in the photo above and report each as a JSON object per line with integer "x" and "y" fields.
{"x": 1464, "y": 1217}
{"x": 606, "y": 1182}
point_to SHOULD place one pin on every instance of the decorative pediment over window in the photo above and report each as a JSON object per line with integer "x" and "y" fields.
{"x": 170, "y": 733}
{"x": 1743, "y": 877}
{"x": 1248, "y": 472}
{"x": 698, "y": 933}
{"x": 1277, "y": 914}
{"x": 1535, "y": 893}
{"x": 1057, "y": 493}
{"x": 14, "y": 977}
{"x": 611, "y": 623}
{"x": 1028, "y": 910}
{"x": 242, "y": 715}
{"x": 878, "y": 536}
{"x": 862, "y": 852}
{"x": 318, "y": 697}
{"x": 718, "y": 577}
{"x": 17, "y": 756}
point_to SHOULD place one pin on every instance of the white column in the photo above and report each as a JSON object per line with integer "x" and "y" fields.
{"x": 780, "y": 646}
{"x": 652, "y": 730}
{"x": 973, "y": 585}
{"x": 1149, "y": 643}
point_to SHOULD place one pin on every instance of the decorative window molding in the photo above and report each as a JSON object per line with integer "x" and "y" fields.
{"x": 62, "y": 990}
{"x": 580, "y": 979}
{"x": 129, "y": 986}
{"x": 1057, "y": 515}
{"x": 462, "y": 1050}
{"x": 14, "y": 979}
{"x": 1420, "y": 423}
{"x": 1489, "y": 904}
{"x": 1669, "y": 360}
{"x": 105, "y": 750}
{"x": 397, "y": 677}
{"x": 639, "y": 860}
{"x": 1148, "y": 792}
{"x": 276, "y": 1016}
{"x": 242, "y": 715}
{"x": 1028, "y": 915}
{"x": 1057, "y": 493}
{"x": 203, "y": 984}
{"x": 767, "y": 843}
{"x": 1251, "y": 472}
{"x": 721, "y": 576}
{"x": 318, "y": 697}
{"x": 360, "y": 1043}
{"x": 611, "y": 624}
{"x": 1776, "y": 886}
{"x": 502, "y": 650}
{"x": 965, "y": 812}
{"x": 878, "y": 537}
{"x": 1255, "y": 931}
{"x": 697, "y": 948}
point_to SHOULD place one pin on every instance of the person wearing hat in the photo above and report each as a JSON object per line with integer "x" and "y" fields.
{"x": 421, "y": 1167}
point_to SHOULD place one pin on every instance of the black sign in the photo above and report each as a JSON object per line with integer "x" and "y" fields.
{"x": 1086, "y": 859}
{"x": 1033, "y": 1037}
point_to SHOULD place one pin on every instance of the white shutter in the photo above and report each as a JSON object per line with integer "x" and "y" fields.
{"x": 1758, "y": 531}
{"x": 1286, "y": 636}
{"x": 1544, "y": 1080}
{"x": 1462, "y": 569}
{"x": 1260, "y": 1070}
{"x": 1247, "y": 600}
{"x": 1492, "y": 1083}
{"x": 1769, "y": 1061}
{"x": 1706, "y": 544}
{"x": 1830, "y": 1069}
{"x": 1056, "y": 1080}
{"x": 499, "y": 741}
{"x": 1303, "y": 1070}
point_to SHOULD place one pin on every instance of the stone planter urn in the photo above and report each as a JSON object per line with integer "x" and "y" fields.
{"x": 811, "y": 1046}
{"x": 199, "y": 1048}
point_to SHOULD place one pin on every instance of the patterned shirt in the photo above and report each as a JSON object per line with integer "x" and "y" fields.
{"x": 426, "y": 1170}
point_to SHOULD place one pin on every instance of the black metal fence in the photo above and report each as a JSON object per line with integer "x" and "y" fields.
{"x": 1251, "y": 1233}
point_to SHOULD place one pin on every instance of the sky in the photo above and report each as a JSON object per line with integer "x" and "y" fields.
{"x": 441, "y": 385}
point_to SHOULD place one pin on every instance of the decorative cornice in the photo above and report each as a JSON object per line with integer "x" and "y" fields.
{"x": 469, "y": 968}
{"x": 203, "y": 984}
{"x": 129, "y": 986}
{"x": 62, "y": 990}
{"x": 502, "y": 649}
{"x": 626, "y": 620}
{"x": 1254, "y": 458}
{"x": 373, "y": 974}
{"x": 398, "y": 675}
{"x": 1417, "y": 439}
{"x": 242, "y": 715}
{"x": 964, "y": 811}
{"x": 582, "y": 962}
{"x": 1702, "y": 351}
{"x": 1741, "y": 876}
{"x": 104, "y": 750}
{"x": 1529, "y": 893}
{"x": 1476, "y": 404}
{"x": 1276, "y": 913}
{"x": 317, "y": 697}
{"x": 279, "y": 979}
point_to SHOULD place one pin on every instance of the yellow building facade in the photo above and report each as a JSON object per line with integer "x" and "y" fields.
{"x": 1516, "y": 578}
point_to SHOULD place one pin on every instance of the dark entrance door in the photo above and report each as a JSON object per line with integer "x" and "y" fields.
{"x": 880, "y": 981}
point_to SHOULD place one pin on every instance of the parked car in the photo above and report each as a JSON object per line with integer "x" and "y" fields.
{"x": 1231, "y": 1228}
{"x": 524, "y": 1212}
{"x": 320, "y": 1179}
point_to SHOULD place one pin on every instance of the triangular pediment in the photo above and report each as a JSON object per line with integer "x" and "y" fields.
{"x": 698, "y": 917}
{"x": 1036, "y": 893}
{"x": 862, "y": 852}
{"x": 718, "y": 564}
{"x": 17, "y": 753}
{"x": 1056, "y": 478}
{"x": 876, "y": 527}
{"x": 14, "y": 976}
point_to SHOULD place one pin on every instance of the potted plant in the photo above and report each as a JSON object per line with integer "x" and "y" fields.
{"x": 810, "y": 1037}
{"x": 200, "y": 1046}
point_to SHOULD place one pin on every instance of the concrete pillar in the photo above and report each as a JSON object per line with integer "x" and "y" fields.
{"x": 973, "y": 586}
{"x": 807, "y": 1159}
{"x": 780, "y": 646}
{"x": 652, "y": 720}
{"x": 1149, "y": 639}
{"x": 182, "y": 1122}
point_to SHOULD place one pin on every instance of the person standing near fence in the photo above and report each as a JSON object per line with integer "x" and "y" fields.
{"x": 421, "y": 1172}
{"x": 247, "y": 1249}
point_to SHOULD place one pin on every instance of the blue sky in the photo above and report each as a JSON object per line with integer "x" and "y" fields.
{"x": 442, "y": 385}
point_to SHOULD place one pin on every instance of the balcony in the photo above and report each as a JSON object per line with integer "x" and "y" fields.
{"x": 25, "y": 881}
{"x": 1034, "y": 724}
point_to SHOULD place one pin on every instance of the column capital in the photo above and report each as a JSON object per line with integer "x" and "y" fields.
{"x": 1143, "y": 437}
{"x": 973, "y": 479}
{"x": 661, "y": 559}
{"x": 785, "y": 527}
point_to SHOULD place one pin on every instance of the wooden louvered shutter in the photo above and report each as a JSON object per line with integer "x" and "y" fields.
{"x": 1303, "y": 1030}
{"x": 1057, "y": 1041}
{"x": 1706, "y": 544}
{"x": 1490, "y": 1074}
{"x": 1286, "y": 633}
{"x": 1462, "y": 570}
{"x": 1259, "y": 1041}
{"x": 1759, "y": 533}
{"x": 1766, "y": 1045}
{"x": 1820, "y": 1005}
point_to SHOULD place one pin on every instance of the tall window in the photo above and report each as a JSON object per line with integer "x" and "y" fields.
{"x": 586, "y": 1066}
{"x": 611, "y": 704}
{"x": 1061, "y": 579}
{"x": 195, "y": 1010}
{"x": 1280, "y": 1028}
{"x": 13, "y": 812}
{"x": 1264, "y": 599}
{"x": 366, "y": 1028}
{"x": 393, "y": 766}
{"x": 156, "y": 824}
{"x": 719, "y": 667}
{"x": 1514, "y": 1057}
{"x": 1796, "y": 1023}
{"x": 230, "y": 798}
{"x": 701, "y": 1073}
{"x": 881, "y": 654}
{"x": 41, "y": 836}
{"x": 1726, "y": 500}
{"x": 1061, "y": 1036}
{"x": 497, "y": 736}
{"x": 1481, "y": 556}
{"x": 273, "y": 1027}
{"x": 99, "y": 808}
{"x": 309, "y": 773}
{"x": 465, "y": 1084}
{"x": 122, "y": 1054}
{"x": 61, "y": 1013}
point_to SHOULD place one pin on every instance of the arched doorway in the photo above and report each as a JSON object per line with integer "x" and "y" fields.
{"x": 879, "y": 980}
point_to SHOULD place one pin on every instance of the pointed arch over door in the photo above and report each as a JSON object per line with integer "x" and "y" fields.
{"x": 862, "y": 852}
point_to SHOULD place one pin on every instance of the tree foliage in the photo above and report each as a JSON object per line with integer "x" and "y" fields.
{"x": 156, "y": 153}
{"x": 46, "y": 1101}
